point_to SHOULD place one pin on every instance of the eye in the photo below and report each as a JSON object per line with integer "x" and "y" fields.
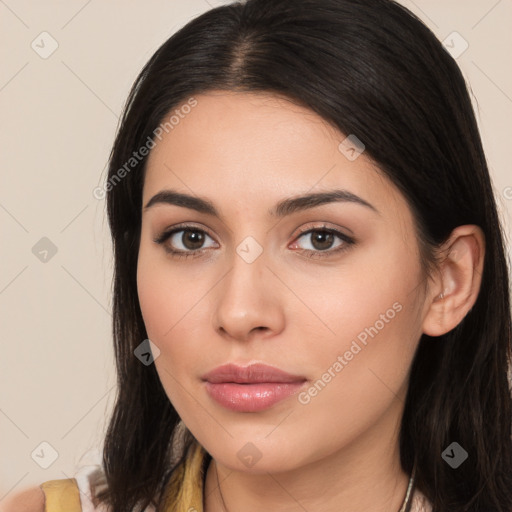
{"x": 184, "y": 241}
{"x": 188, "y": 241}
{"x": 323, "y": 241}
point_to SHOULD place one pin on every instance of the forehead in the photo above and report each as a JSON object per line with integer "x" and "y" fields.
{"x": 256, "y": 148}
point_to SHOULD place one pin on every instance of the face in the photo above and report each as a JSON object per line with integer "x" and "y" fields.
{"x": 329, "y": 290}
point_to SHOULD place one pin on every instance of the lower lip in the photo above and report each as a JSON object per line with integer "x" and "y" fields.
{"x": 251, "y": 397}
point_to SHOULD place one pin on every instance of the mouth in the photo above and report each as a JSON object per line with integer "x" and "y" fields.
{"x": 251, "y": 388}
{"x": 251, "y": 397}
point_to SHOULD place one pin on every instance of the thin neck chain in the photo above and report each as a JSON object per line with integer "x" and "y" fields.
{"x": 403, "y": 508}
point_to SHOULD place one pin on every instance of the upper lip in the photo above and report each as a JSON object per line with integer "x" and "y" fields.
{"x": 253, "y": 373}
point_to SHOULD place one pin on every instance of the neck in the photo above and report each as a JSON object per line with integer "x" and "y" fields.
{"x": 365, "y": 476}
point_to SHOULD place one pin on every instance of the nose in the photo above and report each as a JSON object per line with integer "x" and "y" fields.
{"x": 248, "y": 301}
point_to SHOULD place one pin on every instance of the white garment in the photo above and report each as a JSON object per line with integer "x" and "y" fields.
{"x": 420, "y": 502}
{"x": 84, "y": 487}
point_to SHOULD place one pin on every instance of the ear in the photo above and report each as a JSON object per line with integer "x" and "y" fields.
{"x": 454, "y": 291}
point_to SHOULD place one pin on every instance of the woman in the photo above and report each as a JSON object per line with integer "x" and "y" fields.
{"x": 304, "y": 227}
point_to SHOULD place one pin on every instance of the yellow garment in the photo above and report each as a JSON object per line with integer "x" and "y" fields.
{"x": 61, "y": 495}
{"x": 184, "y": 492}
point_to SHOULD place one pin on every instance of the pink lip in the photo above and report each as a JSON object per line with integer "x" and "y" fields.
{"x": 250, "y": 388}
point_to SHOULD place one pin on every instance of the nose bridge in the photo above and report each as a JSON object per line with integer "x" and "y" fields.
{"x": 246, "y": 280}
{"x": 247, "y": 297}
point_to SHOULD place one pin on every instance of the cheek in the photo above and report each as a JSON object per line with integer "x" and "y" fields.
{"x": 169, "y": 317}
{"x": 361, "y": 373}
{"x": 173, "y": 306}
{"x": 167, "y": 292}
{"x": 155, "y": 306}
{"x": 371, "y": 326}
{"x": 361, "y": 295}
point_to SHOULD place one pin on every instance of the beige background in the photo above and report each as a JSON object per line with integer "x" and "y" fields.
{"x": 59, "y": 116}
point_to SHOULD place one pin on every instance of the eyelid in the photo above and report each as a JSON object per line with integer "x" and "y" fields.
{"x": 166, "y": 233}
{"x": 338, "y": 231}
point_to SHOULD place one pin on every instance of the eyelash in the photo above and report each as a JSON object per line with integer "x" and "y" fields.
{"x": 163, "y": 237}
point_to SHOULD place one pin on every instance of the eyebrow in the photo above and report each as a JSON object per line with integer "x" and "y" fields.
{"x": 281, "y": 209}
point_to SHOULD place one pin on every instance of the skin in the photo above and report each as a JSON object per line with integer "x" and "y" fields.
{"x": 29, "y": 500}
{"x": 244, "y": 152}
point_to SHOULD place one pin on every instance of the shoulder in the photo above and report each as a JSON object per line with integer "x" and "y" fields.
{"x": 28, "y": 500}
{"x": 50, "y": 496}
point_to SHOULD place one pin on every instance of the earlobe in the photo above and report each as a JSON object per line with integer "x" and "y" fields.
{"x": 455, "y": 290}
